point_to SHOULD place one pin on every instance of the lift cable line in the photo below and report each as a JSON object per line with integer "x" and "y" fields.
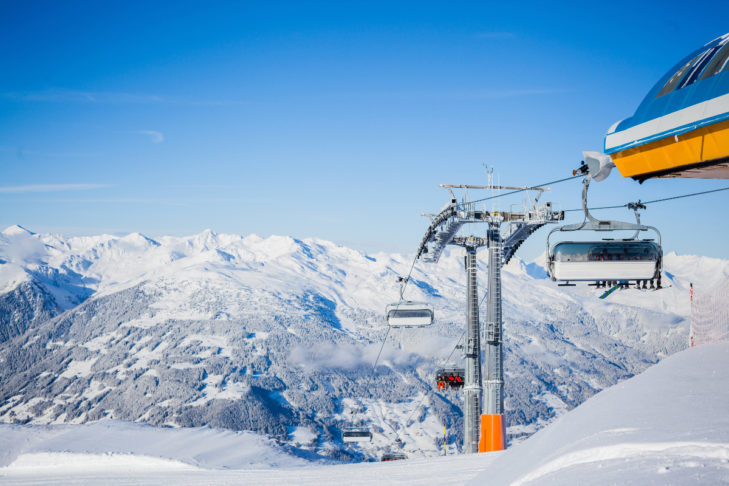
{"x": 406, "y": 280}
{"x": 403, "y": 285}
{"x": 443, "y": 363}
{"x": 516, "y": 190}
{"x": 618, "y": 206}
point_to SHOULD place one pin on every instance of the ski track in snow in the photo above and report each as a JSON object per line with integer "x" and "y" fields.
{"x": 664, "y": 451}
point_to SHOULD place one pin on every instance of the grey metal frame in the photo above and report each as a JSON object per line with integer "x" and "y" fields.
{"x": 501, "y": 247}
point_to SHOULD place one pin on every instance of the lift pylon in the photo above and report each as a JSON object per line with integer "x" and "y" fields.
{"x": 484, "y": 427}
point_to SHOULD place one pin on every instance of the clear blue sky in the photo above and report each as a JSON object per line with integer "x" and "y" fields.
{"x": 334, "y": 120}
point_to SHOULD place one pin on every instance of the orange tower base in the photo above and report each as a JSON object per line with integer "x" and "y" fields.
{"x": 492, "y": 434}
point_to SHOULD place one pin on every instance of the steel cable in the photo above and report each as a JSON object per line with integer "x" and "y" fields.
{"x": 617, "y": 206}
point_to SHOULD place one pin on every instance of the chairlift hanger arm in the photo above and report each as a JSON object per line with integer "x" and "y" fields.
{"x": 593, "y": 224}
{"x": 605, "y": 226}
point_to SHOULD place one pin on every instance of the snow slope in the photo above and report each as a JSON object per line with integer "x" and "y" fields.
{"x": 668, "y": 425}
{"x": 194, "y": 448}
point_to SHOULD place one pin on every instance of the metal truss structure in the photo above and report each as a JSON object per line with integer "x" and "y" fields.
{"x": 502, "y": 245}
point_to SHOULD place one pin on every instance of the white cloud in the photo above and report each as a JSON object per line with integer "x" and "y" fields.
{"x": 154, "y": 135}
{"x": 49, "y": 188}
{"x": 75, "y": 96}
{"x": 327, "y": 356}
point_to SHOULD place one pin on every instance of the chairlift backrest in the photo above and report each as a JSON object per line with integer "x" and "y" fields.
{"x": 451, "y": 370}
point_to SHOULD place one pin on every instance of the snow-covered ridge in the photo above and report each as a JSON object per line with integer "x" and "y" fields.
{"x": 107, "y": 263}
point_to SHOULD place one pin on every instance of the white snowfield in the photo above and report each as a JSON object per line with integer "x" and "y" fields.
{"x": 667, "y": 426}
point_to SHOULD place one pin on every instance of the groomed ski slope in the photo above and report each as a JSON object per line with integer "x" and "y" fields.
{"x": 669, "y": 425}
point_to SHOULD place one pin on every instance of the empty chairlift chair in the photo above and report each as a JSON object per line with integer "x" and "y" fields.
{"x": 409, "y": 314}
{"x": 610, "y": 261}
{"x": 605, "y": 260}
{"x": 356, "y": 434}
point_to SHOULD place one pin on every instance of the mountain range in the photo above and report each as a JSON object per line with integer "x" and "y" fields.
{"x": 279, "y": 335}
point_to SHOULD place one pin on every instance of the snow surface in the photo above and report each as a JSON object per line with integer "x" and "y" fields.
{"x": 111, "y": 444}
{"x": 668, "y": 425}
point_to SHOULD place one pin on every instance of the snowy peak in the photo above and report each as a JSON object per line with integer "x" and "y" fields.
{"x": 288, "y": 265}
{"x": 15, "y": 230}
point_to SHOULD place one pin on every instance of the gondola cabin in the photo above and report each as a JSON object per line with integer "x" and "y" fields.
{"x": 356, "y": 434}
{"x": 409, "y": 314}
{"x": 605, "y": 260}
{"x": 681, "y": 129}
{"x": 447, "y": 378}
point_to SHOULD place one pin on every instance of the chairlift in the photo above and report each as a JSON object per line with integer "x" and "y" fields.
{"x": 393, "y": 456}
{"x": 409, "y": 314}
{"x": 356, "y": 434}
{"x": 608, "y": 260}
{"x": 450, "y": 377}
{"x": 605, "y": 260}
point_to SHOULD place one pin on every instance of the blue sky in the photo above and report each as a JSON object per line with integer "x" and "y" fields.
{"x": 334, "y": 120}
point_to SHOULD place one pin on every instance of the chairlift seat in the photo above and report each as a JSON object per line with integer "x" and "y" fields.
{"x": 356, "y": 434}
{"x": 409, "y": 314}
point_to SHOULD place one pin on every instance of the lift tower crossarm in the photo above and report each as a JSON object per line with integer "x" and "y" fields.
{"x": 508, "y": 188}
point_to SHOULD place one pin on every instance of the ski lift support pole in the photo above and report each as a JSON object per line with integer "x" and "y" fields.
{"x": 484, "y": 427}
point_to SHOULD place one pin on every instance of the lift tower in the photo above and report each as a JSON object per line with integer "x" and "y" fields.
{"x": 483, "y": 419}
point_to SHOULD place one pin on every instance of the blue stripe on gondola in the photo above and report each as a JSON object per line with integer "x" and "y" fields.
{"x": 689, "y": 94}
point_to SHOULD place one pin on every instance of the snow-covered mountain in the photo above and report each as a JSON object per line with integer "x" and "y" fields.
{"x": 667, "y": 425}
{"x": 278, "y": 336}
